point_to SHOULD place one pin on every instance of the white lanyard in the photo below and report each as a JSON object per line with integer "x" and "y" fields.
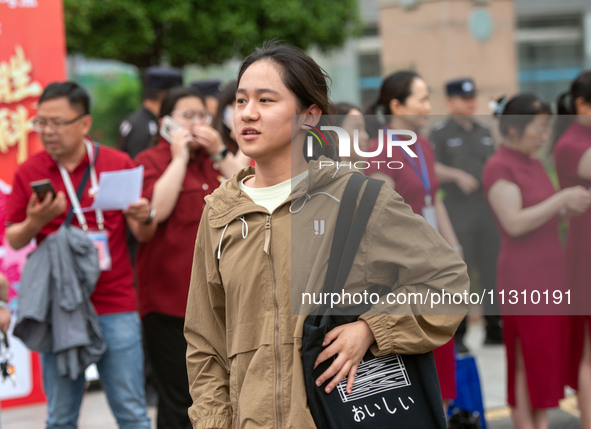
{"x": 72, "y": 192}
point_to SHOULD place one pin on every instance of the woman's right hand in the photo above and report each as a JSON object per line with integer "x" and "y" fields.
{"x": 576, "y": 200}
{"x": 466, "y": 182}
{"x": 180, "y": 146}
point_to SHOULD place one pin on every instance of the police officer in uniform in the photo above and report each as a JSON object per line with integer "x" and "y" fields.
{"x": 138, "y": 131}
{"x": 210, "y": 89}
{"x": 462, "y": 147}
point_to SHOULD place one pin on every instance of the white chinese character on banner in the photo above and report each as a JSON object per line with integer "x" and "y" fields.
{"x": 15, "y": 80}
{"x": 15, "y": 127}
{"x": 21, "y": 68}
{"x": 11, "y": 3}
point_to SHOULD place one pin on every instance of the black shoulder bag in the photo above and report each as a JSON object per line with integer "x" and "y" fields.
{"x": 392, "y": 391}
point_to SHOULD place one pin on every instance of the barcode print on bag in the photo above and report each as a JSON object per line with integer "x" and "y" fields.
{"x": 376, "y": 376}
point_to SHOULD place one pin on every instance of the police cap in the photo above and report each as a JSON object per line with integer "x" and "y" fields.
{"x": 460, "y": 87}
{"x": 162, "y": 77}
{"x": 207, "y": 87}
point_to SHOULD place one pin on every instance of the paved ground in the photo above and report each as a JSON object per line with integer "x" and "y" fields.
{"x": 95, "y": 413}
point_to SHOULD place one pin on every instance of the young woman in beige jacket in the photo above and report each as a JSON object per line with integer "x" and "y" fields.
{"x": 259, "y": 243}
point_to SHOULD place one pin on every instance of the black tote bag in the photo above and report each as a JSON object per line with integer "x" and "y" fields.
{"x": 393, "y": 391}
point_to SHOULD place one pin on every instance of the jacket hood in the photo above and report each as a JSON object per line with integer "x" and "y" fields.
{"x": 228, "y": 202}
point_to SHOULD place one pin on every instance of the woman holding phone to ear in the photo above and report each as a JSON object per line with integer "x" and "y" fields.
{"x": 177, "y": 177}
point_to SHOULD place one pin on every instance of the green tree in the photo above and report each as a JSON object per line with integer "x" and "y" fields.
{"x": 113, "y": 98}
{"x": 147, "y": 32}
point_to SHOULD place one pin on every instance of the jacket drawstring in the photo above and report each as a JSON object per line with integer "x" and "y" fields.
{"x": 339, "y": 165}
{"x": 244, "y": 227}
{"x": 307, "y": 197}
{"x": 221, "y": 238}
{"x": 304, "y": 199}
{"x": 244, "y": 234}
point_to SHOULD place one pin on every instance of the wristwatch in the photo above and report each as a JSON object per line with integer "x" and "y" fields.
{"x": 3, "y": 304}
{"x": 220, "y": 156}
{"x": 151, "y": 217}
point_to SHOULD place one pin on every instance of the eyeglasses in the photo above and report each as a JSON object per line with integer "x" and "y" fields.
{"x": 193, "y": 116}
{"x": 56, "y": 126}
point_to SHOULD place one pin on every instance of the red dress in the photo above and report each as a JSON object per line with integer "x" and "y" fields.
{"x": 534, "y": 261}
{"x": 410, "y": 186}
{"x": 571, "y": 146}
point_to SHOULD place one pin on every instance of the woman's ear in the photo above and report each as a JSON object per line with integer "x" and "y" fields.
{"x": 311, "y": 115}
{"x": 512, "y": 133}
{"x": 582, "y": 107}
{"x": 395, "y": 106}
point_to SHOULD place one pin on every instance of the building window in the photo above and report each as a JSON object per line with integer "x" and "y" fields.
{"x": 370, "y": 76}
{"x": 550, "y": 54}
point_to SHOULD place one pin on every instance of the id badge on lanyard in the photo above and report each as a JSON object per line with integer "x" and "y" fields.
{"x": 429, "y": 213}
{"x": 100, "y": 237}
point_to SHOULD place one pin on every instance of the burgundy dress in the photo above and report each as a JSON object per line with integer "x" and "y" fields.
{"x": 571, "y": 146}
{"x": 410, "y": 186}
{"x": 534, "y": 261}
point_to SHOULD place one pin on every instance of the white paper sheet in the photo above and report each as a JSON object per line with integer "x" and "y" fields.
{"x": 118, "y": 189}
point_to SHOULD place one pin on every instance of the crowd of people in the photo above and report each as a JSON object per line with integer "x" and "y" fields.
{"x": 202, "y": 265}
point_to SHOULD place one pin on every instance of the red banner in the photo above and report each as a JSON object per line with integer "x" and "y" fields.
{"x": 32, "y": 55}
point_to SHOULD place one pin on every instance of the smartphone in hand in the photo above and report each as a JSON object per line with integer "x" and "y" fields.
{"x": 167, "y": 127}
{"x": 42, "y": 187}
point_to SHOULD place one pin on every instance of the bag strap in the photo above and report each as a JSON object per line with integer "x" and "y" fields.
{"x": 364, "y": 210}
{"x": 349, "y": 229}
{"x": 82, "y": 185}
{"x": 342, "y": 228}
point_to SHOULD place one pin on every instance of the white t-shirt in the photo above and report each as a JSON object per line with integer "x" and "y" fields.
{"x": 272, "y": 197}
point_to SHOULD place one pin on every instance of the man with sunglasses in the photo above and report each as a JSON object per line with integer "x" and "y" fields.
{"x": 63, "y": 121}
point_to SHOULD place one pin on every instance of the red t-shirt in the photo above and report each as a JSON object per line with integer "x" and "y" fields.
{"x": 114, "y": 292}
{"x": 163, "y": 265}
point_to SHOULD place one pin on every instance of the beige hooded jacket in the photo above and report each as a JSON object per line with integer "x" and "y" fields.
{"x": 242, "y": 326}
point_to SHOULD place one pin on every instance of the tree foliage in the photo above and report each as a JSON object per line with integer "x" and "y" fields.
{"x": 148, "y": 32}
{"x": 113, "y": 98}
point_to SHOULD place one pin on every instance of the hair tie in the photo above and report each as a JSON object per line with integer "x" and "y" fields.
{"x": 498, "y": 107}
